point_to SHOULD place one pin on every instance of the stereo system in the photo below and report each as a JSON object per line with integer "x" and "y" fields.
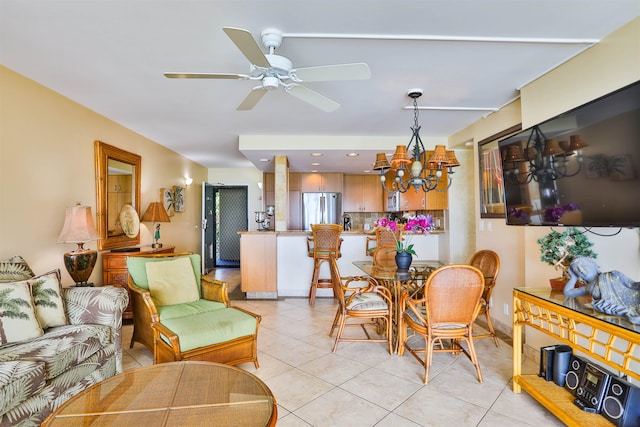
{"x": 574, "y": 374}
{"x": 596, "y": 390}
{"x": 592, "y": 387}
{"x": 621, "y": 404}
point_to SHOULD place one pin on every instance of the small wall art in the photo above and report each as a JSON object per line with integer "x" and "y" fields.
{"x": 178, "y": 198}
{"x": 167, "y": 199}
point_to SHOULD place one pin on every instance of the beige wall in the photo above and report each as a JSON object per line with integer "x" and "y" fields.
{"x": 47, "y": 164}
{"x": 612, "y": 64}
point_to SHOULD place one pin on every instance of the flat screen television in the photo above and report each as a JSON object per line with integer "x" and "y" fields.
{"x": 579, "y": 168}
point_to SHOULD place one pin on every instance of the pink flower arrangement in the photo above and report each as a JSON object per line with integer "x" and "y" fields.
{"x": 420, "y": 224}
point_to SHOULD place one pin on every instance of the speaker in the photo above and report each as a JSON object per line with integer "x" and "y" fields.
{"x": 546, "y": 362}
{"x": 561, "y": 358}
{"x": 621, "y": 403}
{"x": 574, "y": 373}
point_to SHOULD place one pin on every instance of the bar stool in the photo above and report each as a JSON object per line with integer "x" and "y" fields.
{"x": 324, "y": 244}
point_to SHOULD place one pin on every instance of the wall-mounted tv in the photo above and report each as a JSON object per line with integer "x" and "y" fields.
{"x": 579, "y": 168}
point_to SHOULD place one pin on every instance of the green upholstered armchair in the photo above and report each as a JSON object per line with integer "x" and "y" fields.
{"x": 180, "y": 314}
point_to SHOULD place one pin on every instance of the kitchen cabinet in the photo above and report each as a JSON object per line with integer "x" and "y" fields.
{"x": 258, "y": 262}
{"x": 115, "y": 273}
{"x": 362, "y": 193}
{"x": 327, "y": 182}
{"x": 269, "y": 188}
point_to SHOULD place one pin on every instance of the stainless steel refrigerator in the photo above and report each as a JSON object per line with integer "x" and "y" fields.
{"x": 321, "y": 208}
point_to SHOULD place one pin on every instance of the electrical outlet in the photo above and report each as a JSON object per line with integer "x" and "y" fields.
{"x": 506, "y": 309}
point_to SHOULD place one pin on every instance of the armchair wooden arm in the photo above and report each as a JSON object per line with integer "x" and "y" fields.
{"x": 145, "y": 314}
{"x": 215, "y": 290}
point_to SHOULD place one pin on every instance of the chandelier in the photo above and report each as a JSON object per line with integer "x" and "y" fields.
{"x": 417, "y": 171}
{"x": 548, "y": 159}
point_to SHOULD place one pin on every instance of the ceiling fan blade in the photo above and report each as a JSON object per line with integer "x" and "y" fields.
{"x": 357, "y": 71}
{"x": 176, "y": 75}
{"x": 313, "y": 98}
{"x": 247, "y": 45}
{"x": 252, "y": 99}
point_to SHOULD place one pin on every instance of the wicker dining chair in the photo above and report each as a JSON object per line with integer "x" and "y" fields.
{"x": 323, "y": 245}
{"x": 488, "y": 262}
{"x": 383, "y": 238}
{"x": 362, "y": 302}
{"x": 443, "y": 316}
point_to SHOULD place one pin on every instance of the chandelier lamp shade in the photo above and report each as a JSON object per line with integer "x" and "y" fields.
{"x": 156, "y": 213}
{"x": 79, "y": 228}
{"x": 422, "y": 171}
{"x": 543, "y": 159}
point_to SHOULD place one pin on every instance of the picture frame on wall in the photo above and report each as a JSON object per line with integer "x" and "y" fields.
{"x": 490, "y": 167}
{"x": 166, "y": 197}
{"x": 178, "y": 198}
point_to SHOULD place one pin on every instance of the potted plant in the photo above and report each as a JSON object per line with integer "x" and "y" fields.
{"x": 558, "y": 249}
{"x": 419, "y": 224}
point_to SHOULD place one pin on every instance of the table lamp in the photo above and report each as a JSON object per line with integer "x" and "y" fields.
{"x": 78, "y": 228}
{"x": 156, "y": 213}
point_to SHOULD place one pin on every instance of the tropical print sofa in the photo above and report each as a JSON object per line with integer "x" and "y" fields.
{"x": 74, "y": 342}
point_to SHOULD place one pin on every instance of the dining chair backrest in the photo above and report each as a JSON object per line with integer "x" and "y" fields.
{"x": 488, "y": 262}
{"x": 453, "y": 295}
{"x": 326, "y": 240}
{"x": 386, "y": 237}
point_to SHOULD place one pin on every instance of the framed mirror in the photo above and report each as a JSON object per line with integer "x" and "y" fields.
{"x": 490, "y": 167}
{"x": 117, "y": 196}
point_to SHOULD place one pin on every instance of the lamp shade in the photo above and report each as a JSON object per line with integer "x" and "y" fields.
{"x": 400, "y": 157}
{"x": 381, "y": 162}
{"x": 156, "y": 213}
{"x": 439, "y": 156}
{"x": 78, "y": 226}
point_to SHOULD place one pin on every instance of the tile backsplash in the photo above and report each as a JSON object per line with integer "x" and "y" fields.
{"x": 360, "y": 220}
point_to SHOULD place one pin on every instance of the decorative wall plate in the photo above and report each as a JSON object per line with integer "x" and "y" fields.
{"x": 129, "y": 221}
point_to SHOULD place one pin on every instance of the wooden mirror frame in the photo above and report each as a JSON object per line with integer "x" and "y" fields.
{"x": 103, "y": 153}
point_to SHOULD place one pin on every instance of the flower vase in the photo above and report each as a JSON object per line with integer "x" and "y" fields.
{"x": 403, "y": 260}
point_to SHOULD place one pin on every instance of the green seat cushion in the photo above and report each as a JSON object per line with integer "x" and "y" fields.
{"x": 138, "y": 271}
{"x": 212, "y": 327}
{"x": 174, "y": 311}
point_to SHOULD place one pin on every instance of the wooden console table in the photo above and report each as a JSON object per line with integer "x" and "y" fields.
{"x": 610, "y": 340}
{"x": 114, "y": 269}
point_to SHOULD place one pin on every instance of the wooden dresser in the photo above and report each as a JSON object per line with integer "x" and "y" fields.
{"x": 114, "y": 269}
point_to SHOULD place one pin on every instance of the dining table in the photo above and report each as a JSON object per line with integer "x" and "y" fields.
{"x": 396, "y": 280}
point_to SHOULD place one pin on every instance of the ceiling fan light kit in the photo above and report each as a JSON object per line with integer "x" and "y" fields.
{"x": 416, "y": 172}
{"x": 274, "y": 71}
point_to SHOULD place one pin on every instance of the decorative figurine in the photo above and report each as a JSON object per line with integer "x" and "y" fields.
{"x": 612, "y": 292}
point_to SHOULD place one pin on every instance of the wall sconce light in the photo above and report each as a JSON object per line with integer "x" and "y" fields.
{"x": 187, "y": 181}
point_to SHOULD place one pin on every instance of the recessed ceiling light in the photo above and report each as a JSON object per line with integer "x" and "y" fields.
{"x": 366, "y": 171}
{"x": 315, "y": 164}
{"x": 316, "y": 154}
{"x": 352, "y": 154}
{"x": 265, "y": 160}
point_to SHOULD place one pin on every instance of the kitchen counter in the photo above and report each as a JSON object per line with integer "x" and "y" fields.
{"x": 293, "y": 268}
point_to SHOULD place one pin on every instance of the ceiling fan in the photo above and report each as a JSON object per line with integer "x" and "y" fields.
{"x": 274, "y": 71}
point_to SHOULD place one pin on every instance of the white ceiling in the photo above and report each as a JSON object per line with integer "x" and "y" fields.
{"x": 110, "y": 56}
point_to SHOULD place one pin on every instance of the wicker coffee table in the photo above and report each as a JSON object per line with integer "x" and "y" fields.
{"x": 172, "y": 394}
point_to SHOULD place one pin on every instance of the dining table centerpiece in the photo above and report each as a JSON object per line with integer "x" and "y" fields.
{"x": 410, "y": 225}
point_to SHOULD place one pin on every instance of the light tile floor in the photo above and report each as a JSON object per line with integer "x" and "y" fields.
{"x": 362, "y": 385}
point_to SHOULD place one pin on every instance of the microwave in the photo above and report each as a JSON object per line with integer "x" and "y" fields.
{"x": 392, "y": 203}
